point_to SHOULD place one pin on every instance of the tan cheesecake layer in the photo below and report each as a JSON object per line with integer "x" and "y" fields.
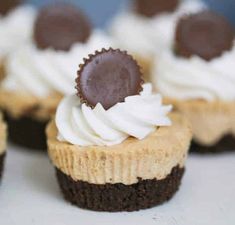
{"x": 19, "y": 104}
{"x": 3, "y": 135}
{"x": 210, "y": 120}
{"x": 152, "y": 157}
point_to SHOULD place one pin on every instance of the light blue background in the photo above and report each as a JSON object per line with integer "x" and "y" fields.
{"x": 100, "y": 11}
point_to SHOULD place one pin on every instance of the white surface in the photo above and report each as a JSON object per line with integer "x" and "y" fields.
{"x": 29, "y": 195}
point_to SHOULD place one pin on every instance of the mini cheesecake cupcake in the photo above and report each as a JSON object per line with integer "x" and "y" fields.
{"x": 198, "y": 77}
{"x": 148, "y": 27}
{"x": 16, "y": 22}
{"x": 3, "y": 137}
{"x": 40, "y": 73}
{"x": 114, "y": 146}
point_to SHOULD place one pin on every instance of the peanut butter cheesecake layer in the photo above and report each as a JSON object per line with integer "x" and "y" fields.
{"x": 213, "y": 123}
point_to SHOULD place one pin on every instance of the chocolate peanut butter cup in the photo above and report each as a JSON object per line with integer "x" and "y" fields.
{"x": 7, "y": 5}
{"x": 205, "y": 34}
{"x": 150, "y": 8}
{"x": 59, "y": 26}
{"x": 108, "y": 77}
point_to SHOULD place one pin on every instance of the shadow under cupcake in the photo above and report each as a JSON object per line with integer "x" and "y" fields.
{"x": 114, "y": 146}
{"x": 198, "y": 78}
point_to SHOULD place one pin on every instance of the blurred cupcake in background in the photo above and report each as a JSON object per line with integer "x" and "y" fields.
{"x": 16, "y": 23}
{"x": 147, "y": 28}
{"x": 42, "y": 71}
{"x": 198, "y": 77}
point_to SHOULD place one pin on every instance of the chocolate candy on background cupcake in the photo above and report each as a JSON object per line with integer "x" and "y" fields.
{"x": 148, "y": 27}
{"x": 3, "y": 144}
{"x": 41, "y": 72}
{"x": 197, "y": 76}
{"x": 16, "y": 21}
{"x": 114, "y": 145}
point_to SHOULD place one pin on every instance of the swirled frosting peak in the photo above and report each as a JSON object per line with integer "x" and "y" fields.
{"x": 138, "y": 116}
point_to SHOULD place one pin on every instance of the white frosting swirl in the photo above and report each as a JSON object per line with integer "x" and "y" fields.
{"x": 138, "y": 116}
{"x": 16, "y": 28}
{"x": 147, "y": 36}
{"x": 195, "y": 78}
{"x": 40, "y": 72}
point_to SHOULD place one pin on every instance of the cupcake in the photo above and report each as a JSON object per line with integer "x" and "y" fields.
{"x": 3, "y": 134}
{"x": 114, "y": 145}
{"x": 148, "y": 27}
{"x": 16, "y": 23}
{"x": 197, "y": 76}
{"x": 40, "y": 73}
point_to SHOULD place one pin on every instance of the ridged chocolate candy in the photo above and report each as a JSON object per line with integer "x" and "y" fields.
{"x": 205, "y": 34}
{"x": 108, "y": 77}
{"x": 59, "y": 26}
{"x": 151, "y": 8}
{"x": 7, "y": 5}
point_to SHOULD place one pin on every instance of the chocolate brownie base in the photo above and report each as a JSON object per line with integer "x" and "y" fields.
{"x": 227, "y": 143}
{"x": 120, "y": 197}
{"x": 2, "y": 159}
{"x": 27, "y": 132}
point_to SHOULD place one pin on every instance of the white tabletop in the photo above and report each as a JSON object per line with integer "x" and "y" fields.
{"x": 29, "y": 195}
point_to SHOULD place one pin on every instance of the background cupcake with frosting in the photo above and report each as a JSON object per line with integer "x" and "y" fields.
{"x": 198, "y": 77}
{"x": 16, "y": 25}
{"x": 147, "y": 28}
{"x": 40, "y": 72}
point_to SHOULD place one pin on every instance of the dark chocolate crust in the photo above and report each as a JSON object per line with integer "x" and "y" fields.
{"x": 120, "y": 197}
{"x": 2, "y": 159}
{"x": 227, "y": 143}
{"x": 27, "y": 132}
